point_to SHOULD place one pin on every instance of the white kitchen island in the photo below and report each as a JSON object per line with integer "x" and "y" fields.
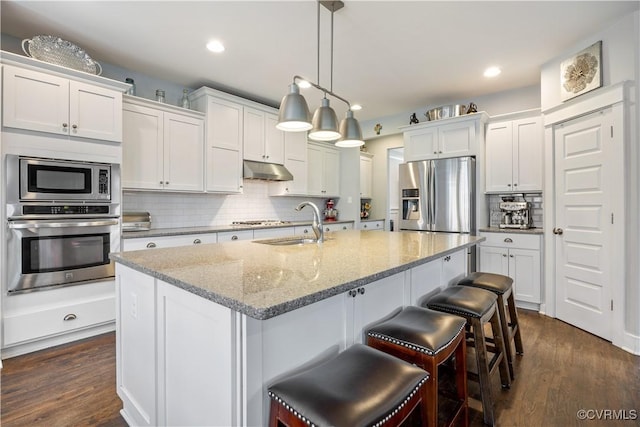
{"x": 203, "y": 330}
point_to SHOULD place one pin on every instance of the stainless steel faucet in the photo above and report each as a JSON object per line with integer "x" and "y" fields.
{"x": 317, "y": 221}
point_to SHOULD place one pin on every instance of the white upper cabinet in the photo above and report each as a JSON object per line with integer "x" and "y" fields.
{"x": 323, "y": 170}
{"x": 262, "y": 141}
{"x": 514, "y": 156}
{"x": 42, "y": 102}
{"x": 453, "y": 137}
{"x": 224, "y": 136}
{"x": 295, "y": 160}
{"x": 366, "y": 175}
{"x": 162, "y": 150}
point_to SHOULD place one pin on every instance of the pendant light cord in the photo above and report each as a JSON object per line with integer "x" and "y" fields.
{"x": 318, "y": 50}
{"x": 331, "y": 81}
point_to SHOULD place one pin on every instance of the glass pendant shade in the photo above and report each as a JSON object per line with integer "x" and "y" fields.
{"x": 324, "y": 123}
{"x": 294, "y": 113}
{"x": 350, "y": 131}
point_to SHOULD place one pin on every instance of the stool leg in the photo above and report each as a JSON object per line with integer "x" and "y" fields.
{"x": 461, "y": 378}
{"x": 483, "y": 371}
{"x": 515, "y": 324}
{"x": 429, "y": 364}
{"x": 498, "y": 338}
{"x": 506, "y": 334}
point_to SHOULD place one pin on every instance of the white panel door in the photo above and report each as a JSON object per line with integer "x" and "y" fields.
{"x": 583, "y": 150}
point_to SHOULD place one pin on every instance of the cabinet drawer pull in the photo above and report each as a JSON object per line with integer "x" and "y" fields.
{"x": 70, "y": 316}
{"x": 508, "y": 240}
{"x": 151, "y": 245}
{"x": 234, "y": 237}
{"x": 197, "y": 242}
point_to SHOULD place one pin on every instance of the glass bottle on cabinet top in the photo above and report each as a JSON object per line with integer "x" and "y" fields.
{"x": 185, "y": 99}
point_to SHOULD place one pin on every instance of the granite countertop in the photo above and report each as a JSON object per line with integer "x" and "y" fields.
{"x": 533, "y": 230}
{"x": 158, "y": 232}
{"x": 263, "y": 281}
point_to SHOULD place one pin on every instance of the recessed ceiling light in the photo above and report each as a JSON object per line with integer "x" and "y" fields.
{"x": 356, "y": 107}
{"x": 303, "y": 84}
{"x": 492, "y": 71}
{"x": 215, "y": 46}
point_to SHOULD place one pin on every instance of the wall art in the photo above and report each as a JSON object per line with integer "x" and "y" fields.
{"x": 582, "y": 72}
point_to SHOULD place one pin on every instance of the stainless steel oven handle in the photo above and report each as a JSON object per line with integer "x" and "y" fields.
{"x": 60, "y": 224}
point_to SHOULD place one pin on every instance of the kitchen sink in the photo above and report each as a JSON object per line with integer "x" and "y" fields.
{"x": 286, "y": 241}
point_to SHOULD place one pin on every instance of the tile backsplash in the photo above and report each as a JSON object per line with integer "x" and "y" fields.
{"x": 170, "y": 210}
{"x": 536, "y": 208}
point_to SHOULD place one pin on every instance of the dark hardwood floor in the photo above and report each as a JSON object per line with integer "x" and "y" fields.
{"x": 562, "y": 371}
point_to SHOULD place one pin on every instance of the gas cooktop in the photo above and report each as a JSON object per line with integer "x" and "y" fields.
{"x": 262, "y": 222}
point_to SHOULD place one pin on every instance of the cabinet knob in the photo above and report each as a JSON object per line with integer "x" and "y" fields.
{"x": 197, "y": 241}
{"x": 504, "y": 255}
{"x": 361, "y": 291}
{"x": 74, "y": 126}
{"x": 305, "y": 231}
{"x": 508, "y": 240}
{"x": 365, "y": 226}
{"x": 558, "y": 231}
{"x": 344, "y": 227}
{"x": 435, "y": 152}
{"x": 64, "y": 125}
{"x": 353, "y": 293}
{"x": 166, "y": 182}
{"x": 508, "y": 185}
{"x": 510, "y": 256}
{"x": 234, "y": 237}
{"x": 515, "y": 184}
{"x": 439, "y": 152}
{"x": 70, "y": 316}
{"x": 151, "y": 245}
{"x": 327, "y": 229}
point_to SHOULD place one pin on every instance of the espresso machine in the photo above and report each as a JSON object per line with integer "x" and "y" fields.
{"x": 515, "y": 214}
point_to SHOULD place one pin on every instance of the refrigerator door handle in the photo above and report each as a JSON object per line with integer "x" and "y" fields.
{"x": 432, "y": 196}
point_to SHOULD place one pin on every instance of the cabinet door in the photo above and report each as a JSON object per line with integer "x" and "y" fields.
{"x": 524, "y": 269}
{"x": 253, "y": 135}
{"x": 372, "y": 225}
{"x": 425, "y": 281}
{"x": 224, "y": 124}
{"x": 499, "y": 157}
{"x": 224, "y": 170}
{"x": 142, "y": 148}
{"x": 183, "y": 152}
{"x": 274, "y": 140}
{"x": 494, "y": 260}
{"x": 527, "y": 154}
{"x": 374, "y": 302}
{"x": 331, "y": 160}
{"x": 421, "y": 144}
{"x": 315, "y": 170}
{"x": 366, "y": 177}
{"x": 295, "y": 146}
{"x": 95, "y": 112}
{"x": 454, "y": 268}
{"x": 298, "y": 185}
{"x": 35, "y": 101}
{"x": 456, "y": 139}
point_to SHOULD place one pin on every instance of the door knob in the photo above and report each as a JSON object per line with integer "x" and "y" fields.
{"x": 558, "y": 231}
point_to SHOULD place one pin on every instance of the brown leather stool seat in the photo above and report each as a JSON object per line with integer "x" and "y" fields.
{"x": 359, "y": 387}
{"x": 427, "y": 338}
{"x": 478, "y": 307}
{"x": 502, "y": 286}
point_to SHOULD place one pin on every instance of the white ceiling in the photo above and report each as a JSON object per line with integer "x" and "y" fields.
{"x": 389, "y": 56}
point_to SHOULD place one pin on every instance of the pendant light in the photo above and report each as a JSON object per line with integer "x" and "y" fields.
{"x": 294, "y": 112}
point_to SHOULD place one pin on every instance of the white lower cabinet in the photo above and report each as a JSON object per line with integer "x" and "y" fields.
{"x": 427, "y": 279}
{"x": 37, "y": 320}
{"x": 185, "y": 360}
{"x": 269, "y": 233}
{"x": 519, "y": 257}
{"x": 232, "y": 236}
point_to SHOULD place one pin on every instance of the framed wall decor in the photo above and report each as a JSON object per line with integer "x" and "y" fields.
{"x": 582, "y": 72}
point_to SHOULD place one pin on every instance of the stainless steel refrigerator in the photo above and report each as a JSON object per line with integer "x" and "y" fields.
{"x": 438, "y": 195}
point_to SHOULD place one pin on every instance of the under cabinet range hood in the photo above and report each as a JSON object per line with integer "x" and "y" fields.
{"x": 266, "y": 171}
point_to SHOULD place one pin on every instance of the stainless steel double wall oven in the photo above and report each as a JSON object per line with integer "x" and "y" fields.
{"x": 63, "y": 221}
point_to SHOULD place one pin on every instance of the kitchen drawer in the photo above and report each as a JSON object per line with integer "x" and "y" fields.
{"x": 512, "y": 240}
{"x": 167, "y": 241}
{"x": 372, "y": 225}
{"x": 337, "y": 227}
{"x": 228, "y": 236}
{"x": 28, "y": 326}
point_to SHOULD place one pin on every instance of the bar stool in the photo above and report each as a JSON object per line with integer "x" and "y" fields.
{"x": 502, "y": 286}
{"x": 428, "y": 338}
{"x": 360, "y": 386}
{"x": 478, "y": 307}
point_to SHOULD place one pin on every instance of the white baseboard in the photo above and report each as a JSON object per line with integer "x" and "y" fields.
{"x": 631, "y": 343}
{"x": 29, "y": 347}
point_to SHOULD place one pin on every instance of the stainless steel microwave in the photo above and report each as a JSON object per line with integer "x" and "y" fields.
{"x": 36, "y": 179}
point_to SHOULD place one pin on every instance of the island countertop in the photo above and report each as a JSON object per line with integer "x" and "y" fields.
{"x": 263, "y": 281}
